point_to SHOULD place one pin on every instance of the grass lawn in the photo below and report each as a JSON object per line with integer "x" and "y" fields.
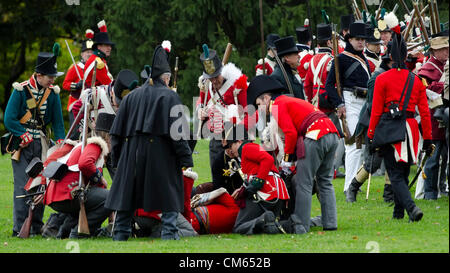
{"x": 362, "y": 227}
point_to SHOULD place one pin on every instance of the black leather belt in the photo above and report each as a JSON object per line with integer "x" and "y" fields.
{"x": 359, "y": 92}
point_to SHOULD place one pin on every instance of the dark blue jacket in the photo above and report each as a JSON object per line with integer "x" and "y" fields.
{"x": 358, "y": 77}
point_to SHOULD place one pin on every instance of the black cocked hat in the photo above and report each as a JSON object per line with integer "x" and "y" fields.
{"x": 262, "y": 84}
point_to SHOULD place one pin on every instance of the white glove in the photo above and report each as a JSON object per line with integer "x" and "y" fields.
{"x": 286, "y": 167}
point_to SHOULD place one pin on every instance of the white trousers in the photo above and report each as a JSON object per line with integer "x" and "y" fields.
{"x": 353, "y": 156}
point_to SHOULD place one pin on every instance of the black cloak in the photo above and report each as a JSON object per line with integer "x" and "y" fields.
{"x": 149, "y": 158}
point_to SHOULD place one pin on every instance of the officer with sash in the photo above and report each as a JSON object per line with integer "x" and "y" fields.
{"x": 33, "y": 105}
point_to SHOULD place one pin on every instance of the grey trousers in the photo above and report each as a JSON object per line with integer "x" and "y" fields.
{"x": 318, "y": 162}
{"x": 96, "y": 213}
{"x": 20, "y": 206}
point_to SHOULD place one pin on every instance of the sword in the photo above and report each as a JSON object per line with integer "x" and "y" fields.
{"x": 422, "y": 164}
{"x": 370, "y": 178}
{"x": 73, "y": 60}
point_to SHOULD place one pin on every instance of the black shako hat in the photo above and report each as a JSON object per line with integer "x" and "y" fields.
{"x": 104, "y": 122}
{"x": 124, "y": 83}
{"x": 212, "y": 65}
{"x": 46, "y": 62}
{"x": 101, "y": 37}
{"x": 346, "y": 20}
{"x": 262, "y": 84}
{"x": 160, "y": 62}
{"x": 88, "y": 43}
{"x": 357, "y": 30}
{"x": 285, "y": 46}
{"x": 373, "y": 35}
{"x": 324, "y": 32}
{"x": 270, "y": 40}
{"x": 303, "y": 35}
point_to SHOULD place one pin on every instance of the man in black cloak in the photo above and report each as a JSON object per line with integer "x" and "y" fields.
{"x": 150, "y": 151}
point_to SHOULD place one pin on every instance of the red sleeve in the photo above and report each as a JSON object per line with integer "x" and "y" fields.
{"x": 377, "y": 106}
{"x": 86, "y": 162}
{"x": 76, "y": 107}
{"x": 255, "y": 153}
{"x": 71, "y": 77}
{"x": 286, "y": 125}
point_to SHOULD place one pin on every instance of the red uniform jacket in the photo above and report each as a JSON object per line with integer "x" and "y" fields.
{"x": 60, "y": 191}
{"x": 290, "y": 112}
{"x": 316, "y": 77}
{"x": 255, "y": 161}
{"x": 388, "y": 87}
{"x": 71, "y": 79}
{"x": 102, "y": 77}
{"x": 431, "y": 71}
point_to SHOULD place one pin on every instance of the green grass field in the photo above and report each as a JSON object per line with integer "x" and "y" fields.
{"x": 362, "y": 227}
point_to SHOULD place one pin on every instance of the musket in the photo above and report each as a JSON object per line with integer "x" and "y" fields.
{"x": 30, "y": 194}
{"x": 261, "y": 27}
{"x": 26, "y": 227}
{"x": 379, "y": 10}
{"x": 227, "y": 54}
{"x": 74, "y": 124}
{"x": 83, "y": 227}
{"x": 73, "y": 60}
{"x": 432, "y": 20}
{"x": 422, "y": 164}
{"x": 283, "y": 71}
{"x": 357, "y": 11}
{"x": 422, "y": 25}
{"x": 436, "y": 17}
{"x": 347, "y": 135}
{"x": 364, "y": 6}
{"x": 175, "y": 74}
{"x": 405, "y": 7}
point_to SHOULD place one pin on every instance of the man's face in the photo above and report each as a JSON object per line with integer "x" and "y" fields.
{"x": 85, "y": 55}
{"x": 357, "y": 43}
{"x": 232, "y": 149}
{"x": 374, "y": 47}
{"x": 386, "y": 37}
{"x": 105, "y": 49}
{"x": 263, "y": 102}
{"x": 293, "y": 60}
{"x": 217, "y": 82}
{"x": 44, "y": 80}
{"x": 441, "y": 54}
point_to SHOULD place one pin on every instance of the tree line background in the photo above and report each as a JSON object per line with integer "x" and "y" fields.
{"x": 28, "y": 27}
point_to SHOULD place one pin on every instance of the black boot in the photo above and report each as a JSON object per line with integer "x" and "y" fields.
{"x": 415, "y": 215}
{"x": 388, "y": 194}
{"x": 352, "y": 191}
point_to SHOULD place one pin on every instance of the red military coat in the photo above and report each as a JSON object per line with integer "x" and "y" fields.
{"x": 255, "y": 161}
{"x": 72, "y": 79}
{"x": 316, "y": 77}
{"x": 86, "y": 162}
{"x": 388, "y": 87}
{"x": 102, "y": 77}
{"x": 290, "y": 113}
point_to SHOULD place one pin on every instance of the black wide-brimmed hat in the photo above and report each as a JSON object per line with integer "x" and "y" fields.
{"x": 160, "y": 63}
{"x": 285, "y": 46}
{"x": 46, "y": 62}
{"x": 262, "y": 84}
{"x": 88, "y": 43}
{"x": 303, "y": 35}
{"x": 101, "y": 37}
{"x": 124, "y": 83}
{"x": 104, "y": 122}
{"x": 324, "y": 32}
{"x": 357, "y": 29}
{"x": 373, "y": 35}
{"x": 346, "y": 20}
{"x": 212, "y": 65}
{"x": 270, "y": 40}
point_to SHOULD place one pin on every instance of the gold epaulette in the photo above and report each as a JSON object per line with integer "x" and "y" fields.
{"x": 100, "y": 63}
